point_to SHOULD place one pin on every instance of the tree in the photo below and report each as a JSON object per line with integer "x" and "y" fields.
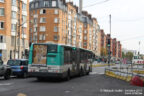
{"x": 123, "y": 55}
{"x": 129, "y": 55}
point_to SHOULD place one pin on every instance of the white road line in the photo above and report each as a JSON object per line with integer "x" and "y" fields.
{"x": 92, "y": 73}
{"x": 5, "y": 84}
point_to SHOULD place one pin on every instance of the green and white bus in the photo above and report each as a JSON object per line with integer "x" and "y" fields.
{"x": 54, "y": 60}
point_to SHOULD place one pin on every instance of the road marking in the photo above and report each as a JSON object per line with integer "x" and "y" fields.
{"x": 92, "y": 73}
{"x": 5, "y": 84}
{"x": 21, "y": 94}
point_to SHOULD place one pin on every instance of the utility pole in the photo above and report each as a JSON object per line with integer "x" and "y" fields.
{"x": 23, "y": 39}
{"x": 109, "y": 44}
{"x": 139, "y": 48}
{"x": 15, "y": 42}
{"x": 18, "y": 29}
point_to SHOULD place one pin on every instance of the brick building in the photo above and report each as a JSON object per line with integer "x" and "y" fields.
{"x": 14, "y": 28}
{"x": 61, "y": 22}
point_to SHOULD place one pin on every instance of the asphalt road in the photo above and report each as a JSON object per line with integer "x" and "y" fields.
{"x": 96, "y": 84}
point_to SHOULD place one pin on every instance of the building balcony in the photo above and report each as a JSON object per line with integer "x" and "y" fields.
{"x": 24, "y": 1}
{"x": 14, "y": 8}
{"x": 24, "y": 36}
{"x": 14, "y": 21}
{"x": 13, "y": 33}
{"x": 3, "y": 46}
{"x": 24, "y": 13}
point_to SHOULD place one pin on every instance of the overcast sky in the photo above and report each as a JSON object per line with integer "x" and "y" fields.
{"x": 127, "y": 19}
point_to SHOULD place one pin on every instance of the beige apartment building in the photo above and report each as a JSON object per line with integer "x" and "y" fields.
{"x": 62, "y": 22}
{"x": 14, "y": 29}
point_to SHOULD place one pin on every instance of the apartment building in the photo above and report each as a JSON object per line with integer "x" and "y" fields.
{"x": 118, "y": 50}
{"x": 61, "y": 22}
{"x": 101, "y": 42}
{"x": 114, "y": 47}
{"x": 103, "y": 48}
{"x": 14, "y": 28}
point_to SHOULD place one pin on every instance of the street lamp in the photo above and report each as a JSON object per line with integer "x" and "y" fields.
{"x": 109, "y": 44}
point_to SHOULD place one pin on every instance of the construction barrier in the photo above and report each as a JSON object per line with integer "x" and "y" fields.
{"x": 126, "y": 76}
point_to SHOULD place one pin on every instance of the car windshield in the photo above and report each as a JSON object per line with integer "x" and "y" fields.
{"x": 13, "y": 62}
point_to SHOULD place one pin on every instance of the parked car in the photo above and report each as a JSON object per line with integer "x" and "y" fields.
{"x": 19, "y": 67}
{"x": 5, "y": 70}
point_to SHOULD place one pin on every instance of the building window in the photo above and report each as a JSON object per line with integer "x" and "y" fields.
{"x": 24, "y": 19}
{"x": 32, "y": 5}
{"x": 43, "y": 20}
{"x": 42, "y": 11}
{"x": 85, "y": 44}
{"x": 36, "y": 5}
{"x": 85, "y": 31}
{"x": 42, "y": 37}
{"x": 55, "y": 20}
{"x": 46, "y": 3}
{"x": 14, "y": 2}
{"x": 85, "y": 25}
{"x": 55, "y": 29}
{"x": 14, "y": 15}
{"x": 12, "y": 40}
{"x": 31, "y": 30}
{"x": 2, "y": 12}
{"x": 56, "y": 11}
{"x": 13, "y": 27}
{"x": 35, "y": 29}
{"x": 35, "y": 20}
{"x": 1, "y": 39}
{"x": 55, "y": 37}
{"x": 53, "y": 3}
{"x": 1, "y": 25}
{"x": 85, "y": 38}
{"x": 1, "y": 0}
{"x": 42, "y": 28}
{"x": 35, "y": 38}
{"x": 24, "y": 6}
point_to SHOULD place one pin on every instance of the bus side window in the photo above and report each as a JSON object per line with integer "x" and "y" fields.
{"x": 67, "y": 56}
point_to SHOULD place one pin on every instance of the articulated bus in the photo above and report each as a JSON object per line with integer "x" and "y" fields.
{"x": 54, "y": 60}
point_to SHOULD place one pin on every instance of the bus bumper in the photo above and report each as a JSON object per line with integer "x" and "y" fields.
{"x": 46, "y": 74}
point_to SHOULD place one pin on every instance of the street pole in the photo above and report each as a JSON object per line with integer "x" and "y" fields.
{"x": 24, "y": 56}
{"x": 139, "y": 47}
{"x": 15, "y": 42}
{"x": 109, "y": 44}
{"x": 18, "y": 29}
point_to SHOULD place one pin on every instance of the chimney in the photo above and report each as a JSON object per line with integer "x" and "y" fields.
{"x": 80, "y": 6}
